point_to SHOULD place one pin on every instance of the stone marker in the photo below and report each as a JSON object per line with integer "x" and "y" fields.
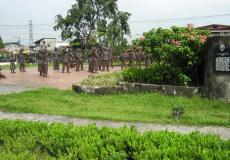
{"x": 217, "y": 68}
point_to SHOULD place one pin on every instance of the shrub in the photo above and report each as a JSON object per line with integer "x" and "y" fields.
{"x": 180, "y": 48}
{"x": 26, "y": 140}
{"x": 156, "y": 74}
{"x": 105, "y": 80}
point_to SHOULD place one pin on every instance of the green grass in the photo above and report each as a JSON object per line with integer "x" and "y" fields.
{"x": 142, "y": 107}
{"x": 30, "y": 140}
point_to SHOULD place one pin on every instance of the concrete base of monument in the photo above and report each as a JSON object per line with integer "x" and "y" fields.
{"x": 124, "y": 87}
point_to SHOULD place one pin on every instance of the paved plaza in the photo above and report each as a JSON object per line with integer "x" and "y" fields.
{"x": 30, "y": 79}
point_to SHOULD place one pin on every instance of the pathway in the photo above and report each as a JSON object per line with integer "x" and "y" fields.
{"x": 142, "y": 127}
{"x": 7, "y": 88}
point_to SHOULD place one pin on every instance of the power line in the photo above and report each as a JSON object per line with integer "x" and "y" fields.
{"x": 181, "y": 19}
{"x": 133, "y": 21}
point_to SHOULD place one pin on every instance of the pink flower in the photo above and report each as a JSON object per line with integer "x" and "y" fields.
{"x": 178, "y": 43}
{"x": 203, "y": 39}
{"x": 142, "y": 38}
{"x": 192, "y": 38}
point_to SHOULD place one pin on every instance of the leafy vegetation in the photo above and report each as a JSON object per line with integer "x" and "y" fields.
{"x": 92, "y": 22}
{"x": 156, "y": 74}
{"x": 180, "y": 49}
{"x": 142, "y": 107}
{"x": 1, "y": 43}
{"x": 24, "y": 140}
{"x": 105, "y": 80}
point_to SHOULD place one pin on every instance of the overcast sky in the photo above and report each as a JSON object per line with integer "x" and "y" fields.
{"x": 19, "y": 12}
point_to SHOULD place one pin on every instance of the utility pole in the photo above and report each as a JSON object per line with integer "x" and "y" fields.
{"x": 30, "y": 33}
{"x": 31, "y": 46}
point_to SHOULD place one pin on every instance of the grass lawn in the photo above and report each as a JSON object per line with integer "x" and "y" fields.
{"x": 142, "y": 107}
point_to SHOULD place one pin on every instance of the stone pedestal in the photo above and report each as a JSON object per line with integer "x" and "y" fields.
{"x": 217, "y": 68}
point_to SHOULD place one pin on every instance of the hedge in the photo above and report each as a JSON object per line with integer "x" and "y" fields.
{"x": 30, "y": 140}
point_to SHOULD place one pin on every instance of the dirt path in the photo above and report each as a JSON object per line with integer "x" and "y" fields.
{"x": 142, "y": 127}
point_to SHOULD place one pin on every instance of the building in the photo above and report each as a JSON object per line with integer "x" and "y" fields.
{"x": 13, "y": 47}
{"x": 50, "y": 42}
{"x": 4, "y": 56}
{"x": 217, "y": 29}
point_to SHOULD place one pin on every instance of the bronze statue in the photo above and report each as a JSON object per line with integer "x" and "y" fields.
{"x": 66, "y": 60}
{"x": 72, "y": 58}
{"x": 79, "y": 60}
{"x": 100, "y": 59}
{"x": 131, "y": 57}
{"x": 42, "y": 59}
{"x": 111, "y": 57}
{"x": 148, "y": 60}
{"x": 94, "y": 60}
{"x": 21, "y": 61}
{"x": 45, "y": 60}
{"x": 56, "y": 59}
{"x": 1, "y": 75}
{"x": 39, "y": 60}
{"x": 90, "y": 61}
{"x": 12, "y": 63}
{"x": 139, "y": 56}
{"x": 123, "y": 58}
{"x": 106, "y": 59}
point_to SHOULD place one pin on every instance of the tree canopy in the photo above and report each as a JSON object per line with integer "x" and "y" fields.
{"x": 1, "y": 43}
{"x": 94, "y": 19}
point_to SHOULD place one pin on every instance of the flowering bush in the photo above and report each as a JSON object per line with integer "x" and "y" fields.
{"x": 180, "y": 48}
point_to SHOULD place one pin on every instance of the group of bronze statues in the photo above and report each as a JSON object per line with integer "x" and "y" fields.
{"x": 69, "y": 57}
{"x": 21, "y": 61}
{"x": 135, "y": 57}
{"x": 99, "y": 59}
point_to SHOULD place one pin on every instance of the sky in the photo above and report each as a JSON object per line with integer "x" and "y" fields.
{"x": 19, "y": 12}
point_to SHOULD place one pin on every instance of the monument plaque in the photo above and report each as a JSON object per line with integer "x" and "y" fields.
{"x": 222, "y": 61}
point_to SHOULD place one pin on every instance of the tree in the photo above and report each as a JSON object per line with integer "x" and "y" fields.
{"x": 99, "y": 19}
{"x": 1, "y": 43}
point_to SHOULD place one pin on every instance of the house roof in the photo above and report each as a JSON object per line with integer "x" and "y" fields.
{"x": 12, "y": 43}
{"x": 42, "y": 39}
{"x": 215, "y": 27}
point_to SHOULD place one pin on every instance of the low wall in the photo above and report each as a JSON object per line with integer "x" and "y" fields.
{"x": 138, "y": 87}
